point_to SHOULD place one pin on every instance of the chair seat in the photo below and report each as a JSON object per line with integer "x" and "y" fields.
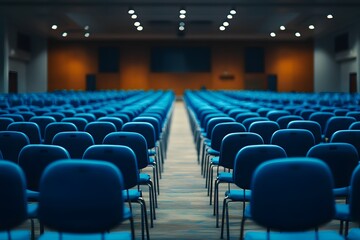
{"x": 16, "y": 235}
{"x": 225, "y": 177}
{"x": 131, "y": 195}
{"x": 213, "y": 152}
{"x": 32, "y": 210}
{"x": 342, "y": 212}
{"x": 32, "y": 195}
{"x": 152, "y": 152}
{"x": 354, "y": 234}
{"x": 207, "y": 142}
{"x": 96, "y": 236}
{"x": 341, "y": 192}
{"x": 215, "y": 161}
{"x": 144, "y": 178}
{"x": 152, "y": 161}
{"x": 308, "y": 235}
{"x": 238, "y": 195}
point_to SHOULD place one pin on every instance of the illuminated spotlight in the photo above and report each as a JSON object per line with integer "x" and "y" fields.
{"x": 232, "y": 11}
{"x": 330, "y": 16}
{"x": 182, "y": 24}
{"x": 229, "y": 16}
{"x": 134, "y": 16}
{"x": 136, "y": 24}
{"x": 183, "y": 11}
{"x": 64, "y": 34}
{"x": 225, "y": 24}
{"x": 297, "y": 34}
{"x": 311, "y": 27}
{"x": 222, "y": 28}
{"x": 182, "y": 16}
{"x": 273, "y": 34}
{"x": 131, "y": 11}
{"x": 139, "y": 28}
{"x": 282, "y": 28}
{"x": 87, "y": 35}
{"x": 54, "y": 27}
{"x": 86, "y": 27}
{"x": 181, "y": 28}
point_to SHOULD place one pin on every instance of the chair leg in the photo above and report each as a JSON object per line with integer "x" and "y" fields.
{"x": 242, "y": 227}
{"x": 152, "y": 204}
{"x": 223, "y": 219}
{"x": 144, "y": 220}
{"x": 156, "y": 182}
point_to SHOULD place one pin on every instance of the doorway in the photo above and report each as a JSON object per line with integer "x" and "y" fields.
{"x": 353, "y": 82}
{"x": 13, "y": 82}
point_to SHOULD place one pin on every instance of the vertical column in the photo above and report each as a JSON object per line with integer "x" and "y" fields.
{"x": 4, "y": 56}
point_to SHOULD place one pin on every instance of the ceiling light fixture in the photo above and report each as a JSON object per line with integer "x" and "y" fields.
{"x": 181, "y": 28}
{"x": 134, "y": 16}
{"x": 297, "y": 34}
{"x": 330, "y": 16}
{"x": 273, "y": 34}
{"x": 64, "y": 34}
{"x": 182, "y": 11}
{"x": 136, "y": 24}
{"x": 87, "y": 35}
{"x": 86, "y": 27}
{"x": 229, "y": 16}
{"x": 233, "y": 11}
{"x": 54, "y": 27}
{"x": 139, "y": 28}
{"x": 131, "y": 11}
{"x": 311, "y": 27}
{"x": 282, "y": 28}
{"x": 225, "y": 24}
{"x": 182, "y": 16}
{"x": 222, "y": 28}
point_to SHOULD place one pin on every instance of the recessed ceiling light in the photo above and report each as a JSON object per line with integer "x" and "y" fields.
{"x": 134, "y": 16}
{"x": 87, "y": 35}
{"x": 139, "y": 28}
{"x": 297, "y": 34}
{"x": 273, "y": 34}
{"x": 330, "y": 16}
{"x": 54, "y": 27}
{"x": 182, "y": 16}
{"x": 131, "y": 11}
{"x": 136, "y": 24}
{"x": 229, "y": 16}
{"x": 225, "y": 24}
{"x": 311, "y": 27}
{"x": 86, "y": 27}
{"x": 181, "y": 28}
{"x": 183, "y": 11}
{"x": 222, "y": 28}
{"x": 182, "y": 24}
{"x": 233, "y": 11}
{"x": 64, "y": 34}
{"x": 282, "y": 28}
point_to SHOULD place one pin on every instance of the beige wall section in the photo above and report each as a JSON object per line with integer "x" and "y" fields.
{"x": 69, "y": 62}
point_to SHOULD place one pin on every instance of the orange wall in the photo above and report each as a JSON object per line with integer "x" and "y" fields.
{"x": 292, "y": 62}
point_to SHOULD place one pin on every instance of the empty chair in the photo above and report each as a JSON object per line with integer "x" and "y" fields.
{"x": 337, "y": 123}
{"x": 347, "y": 136}
{"x": 274, "y": 115}
{"x": 53, "y": 128}
{"x": 88, "y": 116}
{"x": 98, "y": 113}
{"x": 263, "y": 111}
{"x": 354, "y": 114}
{"x": 11, "y": 143}
{"x": 13, "y": 203}
{"x": 74, "y": 142}
{"x": 68, "y": 112}
{"x": 247, "y": 122}
{"x": 292, "y": 214}
{"x": 42, "y": 122}
{"x": 116, "y": 121}
{"x": 14, "y": 116}
{"x": 284, "y": 120}
{"x": 341, "y": 112}
{"x": 265, "y": 129}
{"x": 26, "y": 115}
{"x": 124, "y": 117}
{"x": 312, "y": 126}
{"x": 98, "y": 130}
{"x": 125, "y": 160}
{"x": 355, "y": 126}
{"x": 31, "y": 130}
{"x": 242, "y": 116}
{"x": 321, "y": 118}
{"x": 41, "y": 111}
{"x": 57, "y": 115}
{"x": 79, "y": 122}
{"x": 82, "y": 199}
{"x": 305, "y": 113}
{"x": 5, "y": 122}
{"x": 295, "y": 142}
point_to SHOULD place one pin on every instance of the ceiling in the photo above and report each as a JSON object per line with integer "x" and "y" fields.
{"x": 109, "y": 19}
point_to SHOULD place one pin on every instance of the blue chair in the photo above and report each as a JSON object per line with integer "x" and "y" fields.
{"x": 354, "y": 114}
{"x": 74, "y": 142}
{"x": 88, "y": 116}
{"x": 274, "y": 115}
{"x": 305, "y": 113}
{"x": 14, "y": 116}
{"x": 42, "y": 122}
{"x": 13, "y": 202}
{"x": 277, "y": 200}
{"x": 11, "y": 143}
{"x": 247, "y": 122}
{"x": 5, "y": 122}
{"x": 54, "y": 128}
{"x": 57, "y": 115}
{"x": 31, "y": 130}
{"x": 125, "y": 160}
{"x": 347, "y": 136}
{"x": 116, "y": 121}
{"x": 82, "y": 199}
{"x": 355, "y": 126}
{"x": 79, "y": 122}
{"x": 124, "y": 117}
{"x": 26, "y": 115}
{"x": 295, "y": 142}
{"x": 284, "y": 120}
{"x": 245, "y": 164}
{"x": 265, "y": 129}
{"x": 312, "y": 126}
{"x": 98, "y": 130}
{"x": 321, "y": 118}
{"x": 336, "y": 123}
{"x": 242, "y": 116}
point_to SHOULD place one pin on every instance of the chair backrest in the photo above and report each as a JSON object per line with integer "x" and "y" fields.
{"x": 34, "y": 158}
{"x": 13, "y": 202}
{"x": 26, "y": 115}
{"x": 121, "y": 156}
{"x": 116, "y": 121}
{"x": 274, "y": 115}
{"x": 153, "y": 121}
{"x": 284, "y": 120}
{"x": 312, "y": 126}
{"x": 342, "y": 159}
{"x": 99, "y": 130}
{"x": 133, "y": 140}
{"x": 11, "y": 143}
{"x": 14, "y": 116}
{"x": 355, "y": 126}
{"x": 42, "y": 122}
{"x": 57, "y": 115}
{"x": 79, "y": 122}
{"x": 354, "y": 114}
{"x": 144, "y": 128}
{"x": 74, "y": 142}
{"x": 88, "y": 116}
{"x": 249, "y": 158}
{"x": 124, "y": 117}
{"x": 242, "y": 116}
{"x": 223, "y": 129}
{"x": 347, "y": 136}
{"x": 305, "y": 113}
{"x": 293, "y": 194}
{"x": 232, "y": 143}
{"x": 337, "y": 123}
{"x": 265, "y": 129}
{"x": 213, "y": 122}
{"x": 321, "y": 118}
{"x": 247, "y": 122}
{"x": 355, "y": 195}
{"x": 5, "y": 122}
{"x": 295, "y": 142}
{"x": 98, "y": 113}
{"x": 81, "y": 196}
{"x": 31, "y": 130}
{"x": 53, "y": 128}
